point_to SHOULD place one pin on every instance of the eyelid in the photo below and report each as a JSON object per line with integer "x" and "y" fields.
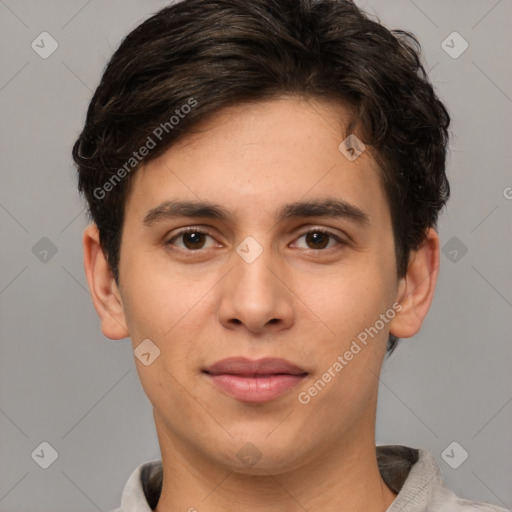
{"x": 189, "y": 229}
{"x": 318, "y": 229}
{"x": 339, "y": 234}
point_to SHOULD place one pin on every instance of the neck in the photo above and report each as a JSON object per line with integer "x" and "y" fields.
{"x": 344, "y": 479}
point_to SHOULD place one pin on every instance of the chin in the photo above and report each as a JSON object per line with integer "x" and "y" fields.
{"x": 261, "y": 457}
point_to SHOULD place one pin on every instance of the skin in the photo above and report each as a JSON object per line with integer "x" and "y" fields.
{"x": 299, "y": 300}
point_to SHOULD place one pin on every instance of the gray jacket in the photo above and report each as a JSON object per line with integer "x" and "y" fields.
{"x": 411, "y": 473}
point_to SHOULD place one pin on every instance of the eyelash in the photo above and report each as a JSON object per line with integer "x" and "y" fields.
{"x": 193, "y": 229}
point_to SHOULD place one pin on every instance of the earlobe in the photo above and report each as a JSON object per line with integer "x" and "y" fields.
{"x": 416, "y": 288}
{"x": 102, "y": 286}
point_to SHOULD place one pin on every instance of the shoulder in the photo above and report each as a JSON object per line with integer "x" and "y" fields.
{"x": 415, "y": 476}
{"x": 442, "y": 499}
{"x": 143, "y": 488}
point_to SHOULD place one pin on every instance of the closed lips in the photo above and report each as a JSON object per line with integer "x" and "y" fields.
{"x": 244, "y": 367}
{"x": 255, "y": 381}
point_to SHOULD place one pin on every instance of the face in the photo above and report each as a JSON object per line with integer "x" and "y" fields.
{"x": 291, "y": 258}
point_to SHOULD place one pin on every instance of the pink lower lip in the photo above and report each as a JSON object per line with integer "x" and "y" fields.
{"x": 256, "y": 389}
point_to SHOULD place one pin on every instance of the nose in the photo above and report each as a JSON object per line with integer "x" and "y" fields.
{"x": 256, "y": 296}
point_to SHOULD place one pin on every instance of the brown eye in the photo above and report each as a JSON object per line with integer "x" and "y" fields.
{"x": 190, "y": 239}
{"x": 193, "y": 240}
{"x": 317, "y": 239}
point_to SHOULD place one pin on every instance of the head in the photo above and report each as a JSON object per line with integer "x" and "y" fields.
{"x": 244, "y": 107}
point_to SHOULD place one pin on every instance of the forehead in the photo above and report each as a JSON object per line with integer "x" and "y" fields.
{"x": 254, "y": 158}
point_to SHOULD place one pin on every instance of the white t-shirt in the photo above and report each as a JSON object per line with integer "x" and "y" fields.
{"x": 410, "y": 472}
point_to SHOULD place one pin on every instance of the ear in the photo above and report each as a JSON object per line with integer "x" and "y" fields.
{"x": 416, "y": 288}
{"x": 104, "y": 291}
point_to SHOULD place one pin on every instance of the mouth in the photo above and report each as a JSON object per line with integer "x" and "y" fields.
{"x": 254, "y": 381}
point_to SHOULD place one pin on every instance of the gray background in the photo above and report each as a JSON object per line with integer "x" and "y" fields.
{"x": 62, "y": 382}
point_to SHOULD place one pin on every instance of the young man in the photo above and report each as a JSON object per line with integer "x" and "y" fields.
{"x": 264, "y": 179}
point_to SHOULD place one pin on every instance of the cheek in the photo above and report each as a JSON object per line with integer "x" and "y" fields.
{"x": 349, "y": 303}
{"x": 155, "y": 299}
{"x": 353, "y": 298}
{"x": 162, "y": 310}
{"x": 169, "y": 310}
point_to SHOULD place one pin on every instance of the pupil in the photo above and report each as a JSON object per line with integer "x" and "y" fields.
{"x": 316, "y": 237}
{"x": 192, "y": 240}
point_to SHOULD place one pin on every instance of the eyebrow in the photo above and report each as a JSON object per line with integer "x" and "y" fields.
{"x": 334, "y": 208}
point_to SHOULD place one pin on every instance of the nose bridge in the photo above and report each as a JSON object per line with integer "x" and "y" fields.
{"x": 253, "y": 293}
{"x": 254, "y": 280}
{"x": 253, "y": 266}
